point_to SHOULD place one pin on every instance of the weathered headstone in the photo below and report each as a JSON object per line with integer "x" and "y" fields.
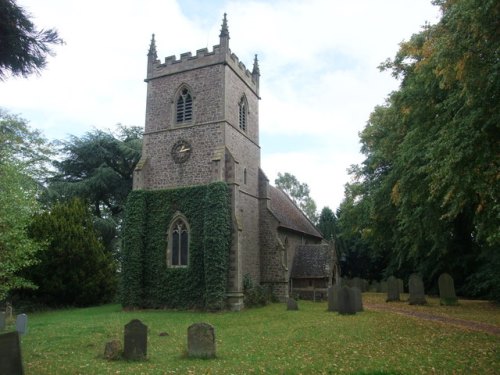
{"x": 201, "y": 341}
{"x": 401, "y": 286}
{"x": 333, "y": 298}
{"x": 11, "y": 362}
{"x": 9, "y": 311}
{"x": 135, "y": 340}
{"x": 22, "y": 324}
{"x": 113, "y": 350}
{"x": 365, "y": 284}
{"x": 2, "y": 321}
{"x": 447, "y": 290}
{"x": 291, "y": 304}
{"x": 358, "y": 299}
{"x": 347, "y": 304}
{"x": 416, "y": 289}
{"x": 392, "y": 289}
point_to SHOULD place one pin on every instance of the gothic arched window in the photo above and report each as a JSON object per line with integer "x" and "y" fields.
{"x": 184, "y": 107}
{"x": 178, "y": 244}
{"x": 243, "y": 112}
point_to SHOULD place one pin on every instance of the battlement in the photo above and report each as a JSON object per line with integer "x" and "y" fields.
{"x": 202, "y": 58}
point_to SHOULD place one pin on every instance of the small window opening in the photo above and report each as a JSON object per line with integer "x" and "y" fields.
{"x": 245, "y": 176}
{"x": 180, "y": 240}
{"x": 184, "y": 107}
{"x": 243, "y": 114}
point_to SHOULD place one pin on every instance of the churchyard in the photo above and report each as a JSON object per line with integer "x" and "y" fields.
{"x": 385, "y": 338}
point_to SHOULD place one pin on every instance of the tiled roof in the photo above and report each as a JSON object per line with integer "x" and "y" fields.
{"x": 288, "y": 214}
{"x": 310, "y": 261}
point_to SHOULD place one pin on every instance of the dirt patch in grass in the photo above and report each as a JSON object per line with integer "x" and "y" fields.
{"x": 461, "y": 323}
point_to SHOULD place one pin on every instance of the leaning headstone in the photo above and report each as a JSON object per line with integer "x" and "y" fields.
{"x": 2, "y": 320}
{"x": 333, "y": 298}
{"x": 447, "y": 290}
{"x": 135, "y": 340}
{"x": 113, "y": 350}
{"x": 358, "y": 299}
{"x": 347, "y": 305}
{"x": 22, "y": 324}
{"x": 416, "y": 289}
{"x": 11, "y": 362}
{"x": 201, "y": 340}
{"x": 392, "y": 289}
{"x": 291, "y": 304}
{"x": 401, "y": 286}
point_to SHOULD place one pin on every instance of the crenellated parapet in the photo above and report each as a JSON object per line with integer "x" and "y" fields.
{"x": 220, "y": 54}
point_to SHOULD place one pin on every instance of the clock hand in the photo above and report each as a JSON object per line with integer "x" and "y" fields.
{"x": 184, "y": 149}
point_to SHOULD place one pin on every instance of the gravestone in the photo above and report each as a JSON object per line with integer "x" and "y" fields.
{"x": 447, "y": 290}
{"x": 113, "y": 350}
{"x": 356, "y": 282}
{"x": 8, "y": 311}
{"x": 2, "y": 320}
{"x": 347, "y": 304}
{"x": 401, "y": 286}
{"x": 392, "y": 289}
{"x": 201, "y": 340}
{"x": 333, "y": 298}
{"x": 291, "y": 304}
{"x": 135, "y": 340}
{"x": 416, "y": 289}
{"x": 22, "y": 324}
{"x": 358, "y": 299}
{"x": 10, "y": 354}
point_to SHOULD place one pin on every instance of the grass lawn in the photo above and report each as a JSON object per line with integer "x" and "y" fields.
{"x": 267, "y": 340}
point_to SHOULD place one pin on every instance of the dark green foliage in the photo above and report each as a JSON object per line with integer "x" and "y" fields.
{"x": 298, "y": 193}
{"x": 327, "y": 224}
{"x": 23, "y": 49}
{"x": 98, "y": 167}
{"x": 147, "y": 281}
{"x": 74, "y": 269}
{"x": 425, "y": 198}
{"x": 256, "y": 295}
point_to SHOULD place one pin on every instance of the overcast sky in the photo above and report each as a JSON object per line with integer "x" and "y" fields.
{"x": 318, "y": 63}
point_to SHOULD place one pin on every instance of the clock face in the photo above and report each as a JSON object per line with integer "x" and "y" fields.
{"x": 181, "y": 151}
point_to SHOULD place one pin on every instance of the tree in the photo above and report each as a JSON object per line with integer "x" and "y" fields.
{"x": 299, "y": 193}
{"x": 23, "y": 48}
{"x": 327, "y": 224}
{"x": 428, "y": 187}
{"x": 75, "y": 269}
{"x": 23, "y": 155}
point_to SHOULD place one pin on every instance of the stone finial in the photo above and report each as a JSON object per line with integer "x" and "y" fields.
{"x": 224, "y": 31}
{"x": 152, "y": 48}
{"x": 256, "y": 70}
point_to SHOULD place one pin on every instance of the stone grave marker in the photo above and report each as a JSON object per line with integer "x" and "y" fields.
{"x": 113, "y": 350}
{"x": 291, "y": 304}
{"x": 11, "y": 362}
{"x": 374, "y": 287}
{"x": 392, "y": 289}
{"x": 333, "y": 298}
{"x": 201, "y": 340}
{"x": 22, "y": 324}
{"x": 135, "y": 340}
{"x": 2, "y": 320}
{"x": 358, "y": 299}
{"x": 416, "y": 289}
{"x": 8, "y": 311}
{"x": 347, "y": 305}
{"x": 447, "y": 290}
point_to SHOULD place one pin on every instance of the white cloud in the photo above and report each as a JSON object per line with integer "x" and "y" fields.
{"x": 318, "y": 61}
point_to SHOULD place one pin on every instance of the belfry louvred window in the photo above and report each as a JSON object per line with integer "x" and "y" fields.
{"x": 180, "y": 244}
{"x": 184, "y": 109}
{"x": 243, "y": 113}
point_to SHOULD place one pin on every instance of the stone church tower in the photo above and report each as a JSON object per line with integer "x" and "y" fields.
{"x": 202, "y": 127}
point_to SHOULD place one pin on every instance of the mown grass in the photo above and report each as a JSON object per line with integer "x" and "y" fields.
{"x": 265, "y": 340}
